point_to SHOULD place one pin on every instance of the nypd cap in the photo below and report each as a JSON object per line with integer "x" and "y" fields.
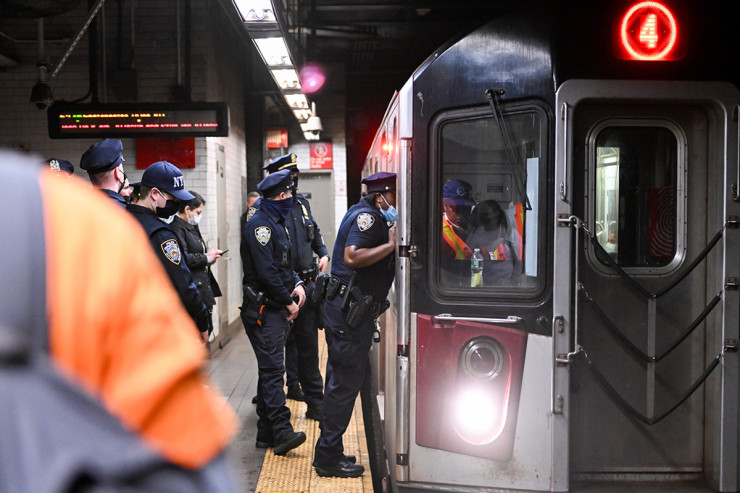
{"x": 102, "y": 156}
{"x": 458, "y": 192}
{"x": 380, "y": 182}
{"x": 166, "y": 177}
{"x": 288, "y": 161}
{"x": 61, "y": 165}
{"x": 275, "y": 183}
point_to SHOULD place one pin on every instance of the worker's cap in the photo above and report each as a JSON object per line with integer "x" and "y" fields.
{"x": 166, "y": 177}
{"x": 61, "y": 165}
{"x": 102, "y": 156}
{"x": 275, "y": 183}
{"x": 288, "y": 161}
{"x": 380, "y": 182}
{"x": 458, "y": 192}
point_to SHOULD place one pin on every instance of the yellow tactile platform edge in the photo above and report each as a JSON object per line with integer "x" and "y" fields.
{"x": 293, "y": 472}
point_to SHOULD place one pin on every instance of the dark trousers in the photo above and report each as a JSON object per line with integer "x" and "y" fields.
{"x": 345, "y": 373}
{"x": 302, "y": 351}
{"x": 268, "y": 342}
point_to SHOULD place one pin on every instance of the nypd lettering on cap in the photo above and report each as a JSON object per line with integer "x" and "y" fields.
{"x": 263, "y": 235}
{"x": 365, "y": 221}
{"x": 171, "y": 250}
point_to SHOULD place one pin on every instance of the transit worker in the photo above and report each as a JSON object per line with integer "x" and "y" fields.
{"x": 457, "y": 203}
{"x": 115, "y": 324}
{"x": 303, "y": 376}
{"x": 162, "y": 188}
{"x": 273, "y": 295}
{"x": 103, "y": 162}
{"x": 61, "y": 167}
{"x": 362, "y": 274}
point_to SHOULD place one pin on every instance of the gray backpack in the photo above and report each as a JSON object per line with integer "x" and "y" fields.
{"x": 55, "y": 437}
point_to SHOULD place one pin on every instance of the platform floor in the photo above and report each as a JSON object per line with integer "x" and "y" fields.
{"x": 233, "y": 369}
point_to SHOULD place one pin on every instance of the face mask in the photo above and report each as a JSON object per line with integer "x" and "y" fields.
{"x": 195, "y": 219}
{"x": 280, "y": 208}
{"x": 295, "y": 183}
{"x": 169, "y": 220}
{"x": 170, "y": 208}
{"x": 391, "y": 214}
{"x": 120, "y": 186}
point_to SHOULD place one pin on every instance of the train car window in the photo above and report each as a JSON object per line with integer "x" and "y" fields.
{"x": 636, "y": 177}
{"x": 488, "y": 240}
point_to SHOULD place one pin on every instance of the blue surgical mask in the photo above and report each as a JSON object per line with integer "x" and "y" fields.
{"x": 391, "y": 214}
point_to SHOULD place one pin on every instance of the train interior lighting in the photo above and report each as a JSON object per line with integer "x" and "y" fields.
{"x": 649, "y": 31}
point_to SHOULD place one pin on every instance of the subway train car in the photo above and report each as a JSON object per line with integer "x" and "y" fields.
{"x": 565, "y": 310}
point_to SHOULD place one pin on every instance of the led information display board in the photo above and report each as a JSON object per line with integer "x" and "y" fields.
{"x": 119, "y": 120}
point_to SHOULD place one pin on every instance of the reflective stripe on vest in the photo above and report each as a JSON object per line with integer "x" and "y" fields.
{"x": 462, "y": 250}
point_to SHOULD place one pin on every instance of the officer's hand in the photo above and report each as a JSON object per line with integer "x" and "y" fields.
{"x": 214, "y": 254}
{"x": 293, "y": 310}
{"x": 392, "y": 235}
{"x": 301, "y": 293}
{"x": 203, "y": 337}
{"x": 323, "y": 262}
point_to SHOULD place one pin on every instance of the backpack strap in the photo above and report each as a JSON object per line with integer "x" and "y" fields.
{"x": 23, "y": 317}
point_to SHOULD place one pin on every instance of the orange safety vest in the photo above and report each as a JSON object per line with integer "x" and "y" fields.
{"x": 117, "y": 326}
{"x": 462, "y": 250}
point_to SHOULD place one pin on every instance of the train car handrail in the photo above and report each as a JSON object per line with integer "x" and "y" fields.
{"x": 511, "y": 319}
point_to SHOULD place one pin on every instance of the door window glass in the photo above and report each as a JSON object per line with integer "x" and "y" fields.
{"x": 636, "y": 176}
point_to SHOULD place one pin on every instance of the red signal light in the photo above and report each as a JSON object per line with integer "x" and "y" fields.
{"x": 649, "y": 31}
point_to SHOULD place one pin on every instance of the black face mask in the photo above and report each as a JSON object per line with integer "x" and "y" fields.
{"x": 120, "y": 185}
{"x": 170, "y": 208}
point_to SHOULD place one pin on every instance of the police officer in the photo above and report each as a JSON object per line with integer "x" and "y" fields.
{"x": 273, "y": 295}
{"x": 302, "y": 346}
{"x": 103, "y": 162}
{"x": 161, "y": 188}
{"x": 61, "y": 167}
{"x": 362, "y": 273}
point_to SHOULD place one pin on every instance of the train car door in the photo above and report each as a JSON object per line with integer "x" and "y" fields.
{"x": 642, "y": 187}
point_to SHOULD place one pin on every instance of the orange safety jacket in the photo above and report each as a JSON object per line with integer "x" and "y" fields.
{"x": 117, "y": 326}
{"x": 462, "y": 250}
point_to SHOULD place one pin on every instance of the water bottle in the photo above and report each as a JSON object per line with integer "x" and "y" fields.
{"x": 476, "y": 269}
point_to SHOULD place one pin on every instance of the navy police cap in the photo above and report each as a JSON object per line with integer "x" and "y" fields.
{"x": 459, "y": 192}
{"x": 288, "y": 161}
{"x": 380, "y": 182}
{"x": 275, "y": 183}
{"x": 166, "y": 177}
{"x": 102, "y": 156}
{"x": 61, "y": 165}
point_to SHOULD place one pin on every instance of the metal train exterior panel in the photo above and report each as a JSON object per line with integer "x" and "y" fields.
{"x": 588, "y": 152}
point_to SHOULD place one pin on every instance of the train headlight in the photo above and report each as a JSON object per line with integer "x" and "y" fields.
{"x": 482, "y": 358}
{"x": 480, "y": 403}
{"x": 478, "y": 417}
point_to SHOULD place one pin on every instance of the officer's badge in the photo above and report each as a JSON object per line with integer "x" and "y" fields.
{"x": 365, "y": 221}
{"x": 171, "y": 250}
{"x": 250, "y": 213}
{"x": 263, "y": 234}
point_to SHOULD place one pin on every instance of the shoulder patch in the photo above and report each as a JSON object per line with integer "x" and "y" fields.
{"x": 365, "y": 221}
{"x": 171, "y": 250}
{"x": 251, "y": 212}
{"x": 263, "y": 234}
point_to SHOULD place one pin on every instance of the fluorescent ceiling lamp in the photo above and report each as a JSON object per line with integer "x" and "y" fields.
{"x": 297, "y": 101}
{"x": 302, "y": 114}
{"x": 256, "y": 11}
{"x": 274, "y": 51}
{"x": 286, "y": 79}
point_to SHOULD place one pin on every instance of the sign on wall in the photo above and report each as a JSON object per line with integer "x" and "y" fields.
{"x": 322, "y": 156}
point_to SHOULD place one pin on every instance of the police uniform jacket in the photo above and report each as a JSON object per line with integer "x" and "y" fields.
{"x": 365, "y": 227}
{"x": 117, "y": 197}
{"x": 194, "y": 252}
{"x": 268, "y": 267}
{"x": 305, "y": 237}
{"x": 167, "y": 248}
